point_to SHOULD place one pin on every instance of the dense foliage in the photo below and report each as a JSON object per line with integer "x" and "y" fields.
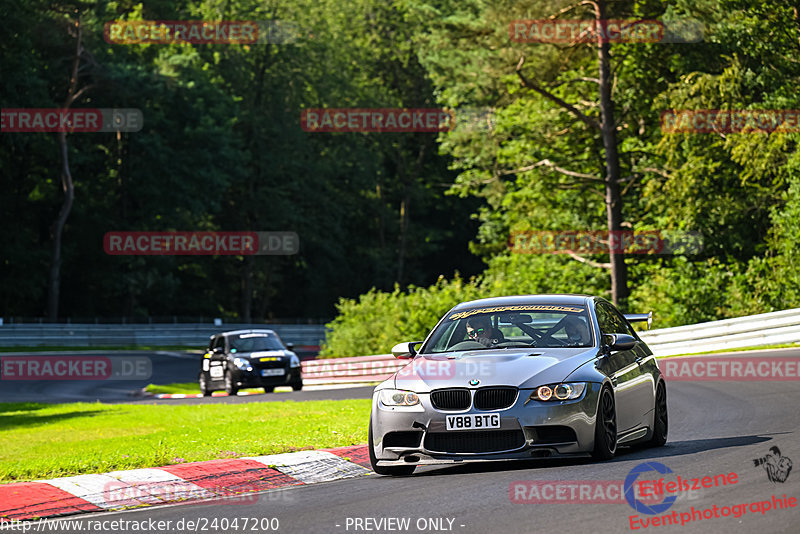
{"x": 395, "y": 217}
{"x": 222, "y": 149}
{"x": 739, "y": 191}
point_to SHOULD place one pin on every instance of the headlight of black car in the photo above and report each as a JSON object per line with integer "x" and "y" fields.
{"x": 242, "y": 363}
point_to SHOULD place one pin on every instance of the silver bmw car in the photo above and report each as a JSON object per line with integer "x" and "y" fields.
{"x": 519, "y": 377}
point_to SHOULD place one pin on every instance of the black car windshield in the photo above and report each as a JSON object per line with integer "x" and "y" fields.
{"x": 514, "y": 326}
{"x": 255, "y": 342}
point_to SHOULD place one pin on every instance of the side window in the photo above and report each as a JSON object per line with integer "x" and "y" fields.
{"x": 611, "y": 322}
{"x": 220, "y": 342}
{"x": 211, "y": 344}
{"x": 607, "y": 325}
{"x": 622, "y": 324}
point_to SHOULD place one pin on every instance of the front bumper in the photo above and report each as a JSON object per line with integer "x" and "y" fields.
{"x": 253, "y": 379}
{"x": 418, "y": 434}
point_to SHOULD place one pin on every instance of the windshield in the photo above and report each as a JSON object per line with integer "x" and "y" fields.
{"x": 255, "y": 342}
{"x": 533, "y": 325}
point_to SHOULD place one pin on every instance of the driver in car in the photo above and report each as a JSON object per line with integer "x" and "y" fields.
{"x": 577, "y": 333}
{"x": 480, "y": 329}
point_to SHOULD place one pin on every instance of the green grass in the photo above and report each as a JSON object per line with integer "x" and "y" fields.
{"x": 186, "y": 388}
{"x": 59, "y": 348}
{"x": 723, "y": 351}
{"x": 45, "y": 441}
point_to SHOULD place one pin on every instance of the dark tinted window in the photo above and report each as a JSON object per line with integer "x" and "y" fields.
{"x": 254, "y": 342}
{"x": 516, "y": 325}
{"x": 611, "y": 321}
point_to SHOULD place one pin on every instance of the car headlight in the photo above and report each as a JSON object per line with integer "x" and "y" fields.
{"x": 294, "y": 361}
{"x": 558, "y": 392}
{"x": 396, "y": 397}
{"x": 241, "y": 363}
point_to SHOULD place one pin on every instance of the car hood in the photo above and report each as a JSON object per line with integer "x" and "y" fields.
{"x": 523, "y": 368}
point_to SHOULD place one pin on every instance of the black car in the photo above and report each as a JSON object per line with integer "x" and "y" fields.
{"x": 249, "y": 359}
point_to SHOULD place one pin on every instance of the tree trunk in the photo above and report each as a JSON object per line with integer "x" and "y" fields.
{"x": 619, "y": 271}
{"x": 54, "y": 279}
{"x": 252, "y": 218}
{"x": 54, "y": 282}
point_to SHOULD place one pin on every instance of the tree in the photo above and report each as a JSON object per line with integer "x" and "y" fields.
{"x": 81, "y": 59}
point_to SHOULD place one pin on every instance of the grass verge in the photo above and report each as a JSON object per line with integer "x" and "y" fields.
{"x": 45, "y": 440}
{"x": 185, "y": 388}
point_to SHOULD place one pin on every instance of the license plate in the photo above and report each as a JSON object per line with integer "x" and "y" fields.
{"x": 272, "y": 372}
{"x": 473, "y": 422}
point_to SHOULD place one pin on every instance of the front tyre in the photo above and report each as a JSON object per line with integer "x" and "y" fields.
{"x": 204, "y": 388}
{"x": 605, "y": 427}
{"x": 660, "y": 418}
{"x": 394, "y": 470}
{"x": 230, "y": 385}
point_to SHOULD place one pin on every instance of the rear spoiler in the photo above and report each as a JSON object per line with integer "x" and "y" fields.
{"x": 640, "y": 318}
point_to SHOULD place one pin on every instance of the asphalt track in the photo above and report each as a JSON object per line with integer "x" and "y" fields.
{"x": 167, "y": 367}
{"x": 715, "y": 428}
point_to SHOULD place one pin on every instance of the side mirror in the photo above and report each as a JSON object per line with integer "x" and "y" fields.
{"x": 218, "y": 350}
{"x": 617, "y": 342}
{"x": 290, "y": 346}
{"x": 405, "y": 351}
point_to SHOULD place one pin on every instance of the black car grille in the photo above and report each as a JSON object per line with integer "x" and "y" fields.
{"x": 267, "y": 365}
{"x": 474, "y": 442}
{"x": 450, "y": 399}
{"x": 495, "y": 398}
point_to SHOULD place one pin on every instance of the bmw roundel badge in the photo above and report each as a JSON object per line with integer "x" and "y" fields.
{"x": 474, "y": 382}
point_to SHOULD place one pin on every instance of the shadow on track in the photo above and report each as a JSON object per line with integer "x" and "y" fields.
{"x": 675, "y": 448}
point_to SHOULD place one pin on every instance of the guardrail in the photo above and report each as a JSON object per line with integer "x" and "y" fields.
{"x": 305, "y": 337}
{"x": 742, "y": 332}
